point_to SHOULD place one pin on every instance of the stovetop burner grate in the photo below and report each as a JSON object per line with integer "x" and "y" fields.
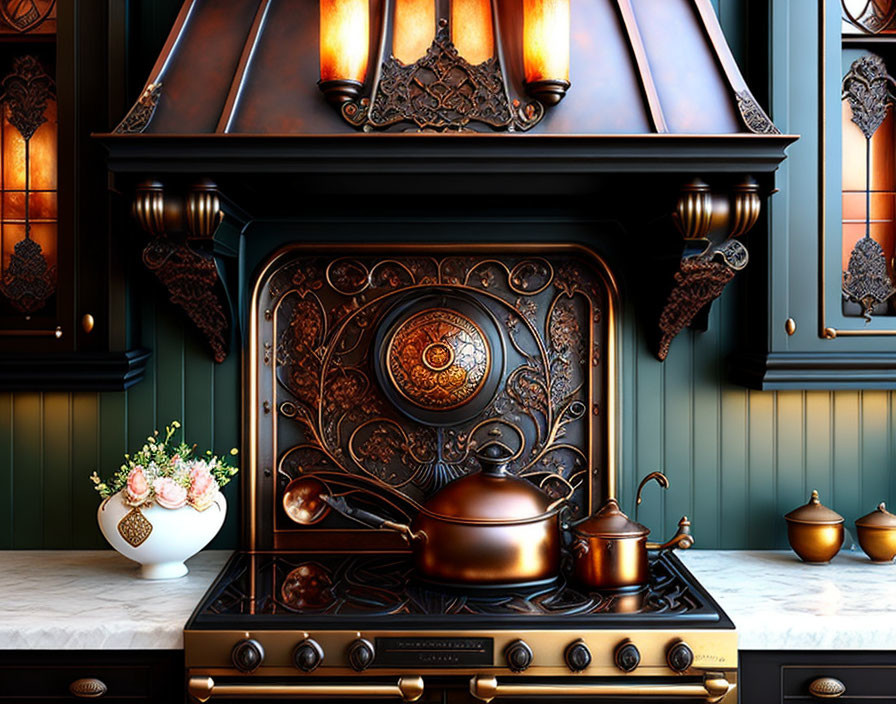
{"x": 276, "y": 590}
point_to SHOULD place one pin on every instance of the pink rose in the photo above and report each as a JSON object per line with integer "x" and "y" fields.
{"x": 203, "y": 488}
{"x": 137, "y": 487}
{"x": 169, "y": 493}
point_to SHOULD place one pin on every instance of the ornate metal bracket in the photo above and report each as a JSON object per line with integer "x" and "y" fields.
{"x": 185, "y": 264}
{"x": 441, "y": 92}
{"x": 706, "y": 267}
{"x": 754, "y": 117}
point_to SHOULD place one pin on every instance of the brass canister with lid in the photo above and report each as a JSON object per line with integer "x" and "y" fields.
{"x": 815, "y": 532}
{"x": 877, "y": 534}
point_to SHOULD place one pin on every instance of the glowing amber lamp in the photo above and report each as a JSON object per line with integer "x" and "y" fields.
{"x": 546, "y": 49}
{"x": 471, "y": 29}
{"x": 344, "y": 48}
{"x": 413, "y": 30}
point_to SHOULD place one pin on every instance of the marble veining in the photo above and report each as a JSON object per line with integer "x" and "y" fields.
{"x": 778, "y": 602}
{"x": 93, "y": 600}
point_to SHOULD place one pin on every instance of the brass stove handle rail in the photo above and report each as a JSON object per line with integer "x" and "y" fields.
{"x": 714, "y": 688}
{"x": 408, "y": 689}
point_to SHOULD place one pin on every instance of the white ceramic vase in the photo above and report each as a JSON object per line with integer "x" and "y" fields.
{"x": 160, "y": 539}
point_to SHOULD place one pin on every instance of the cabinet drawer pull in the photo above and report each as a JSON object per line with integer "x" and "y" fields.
{"x": 88, "y": 688}
{"x": 827, "y": 688}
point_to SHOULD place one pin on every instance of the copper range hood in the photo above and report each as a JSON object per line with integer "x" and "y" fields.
{"x": 658, "y": 130}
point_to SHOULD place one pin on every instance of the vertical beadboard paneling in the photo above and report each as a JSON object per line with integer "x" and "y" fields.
{"x": 846, "y": 430}
{"x": 648, "y": 435}
{"x": 876, "y": 467}
{"x": 705, "y": 434}
{"x": 789, "y": 453}
{"x": 678, "y": 422}
{"x": 226, "y": 435}
{"x": 6, "y": 470}
{"x": 56, "y": 501}
{"x": 761, "y": 469}
{"x": 818, "y": 444}
{"x": 85, "y": 460}
{"x": 27, "y": 485}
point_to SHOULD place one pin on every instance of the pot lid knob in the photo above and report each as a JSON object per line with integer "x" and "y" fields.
{"x": 494, "y": 458}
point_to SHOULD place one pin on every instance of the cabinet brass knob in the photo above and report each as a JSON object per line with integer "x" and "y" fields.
{"x": 827, "y": 688}
{"x": 88, "y": 688}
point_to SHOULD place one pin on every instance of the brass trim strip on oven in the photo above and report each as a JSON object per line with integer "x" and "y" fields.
{"x": 408, "y": 689}
{"x": 713, "y": 689}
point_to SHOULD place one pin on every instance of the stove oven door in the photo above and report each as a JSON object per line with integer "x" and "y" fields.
{"x": 711, "y": 689}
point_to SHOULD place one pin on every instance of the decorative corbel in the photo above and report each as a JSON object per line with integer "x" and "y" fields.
{"x": 181, "y": 256}
{"x": 706, "y": 267}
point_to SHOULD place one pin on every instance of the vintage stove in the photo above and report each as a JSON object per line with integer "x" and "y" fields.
{"x": 372, "y": 373}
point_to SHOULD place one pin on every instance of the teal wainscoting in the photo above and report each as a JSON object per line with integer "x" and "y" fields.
{"x": 737, "y": 459}
{"x": 50, "y": 443}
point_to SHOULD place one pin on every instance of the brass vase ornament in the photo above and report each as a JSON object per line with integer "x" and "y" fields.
{"x": 877, "y": 534}
{"x": 815, "y": 532}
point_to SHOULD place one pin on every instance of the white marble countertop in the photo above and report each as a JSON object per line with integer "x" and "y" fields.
{"x": 93, "y": 600}
{"x": 778, "y": 602}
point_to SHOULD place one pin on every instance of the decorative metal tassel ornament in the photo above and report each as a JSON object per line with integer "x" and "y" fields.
{"x": 866, "y": 280}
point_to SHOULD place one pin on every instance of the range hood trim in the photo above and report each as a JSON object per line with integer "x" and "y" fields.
{"x": 427, "y": 153}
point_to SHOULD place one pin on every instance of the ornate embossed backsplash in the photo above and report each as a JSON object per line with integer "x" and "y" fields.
{"x": 376, "y": 374}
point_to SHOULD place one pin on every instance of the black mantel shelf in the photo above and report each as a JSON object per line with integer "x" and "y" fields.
{"x": 409, "y": 153}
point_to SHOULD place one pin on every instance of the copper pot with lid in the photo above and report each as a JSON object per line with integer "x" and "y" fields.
{"x": 610, "y": 549}
{"x": 814, "y": 531}
{"x": 487, "y": 528}
{"x": 877, "y": 534}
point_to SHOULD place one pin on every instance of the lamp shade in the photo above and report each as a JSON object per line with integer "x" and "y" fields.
{"x": 546, "y": 48}
{"x": 344, "y": 47}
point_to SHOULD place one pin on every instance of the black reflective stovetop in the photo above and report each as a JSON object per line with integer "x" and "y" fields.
{"x": 314, "y": 591}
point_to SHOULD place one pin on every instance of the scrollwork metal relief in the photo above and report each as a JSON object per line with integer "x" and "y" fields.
{"x": 334, "y": 421}
{"x": 140, "y": 115}
{"x": 754, "y": 117}
{"x": 442, "y": 92}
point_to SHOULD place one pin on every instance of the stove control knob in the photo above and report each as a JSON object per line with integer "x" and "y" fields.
{"x": 518, "y": 655}
{"x": 308, "y": 655}
{"x": 361, "y": 654}
{"x": 680, "y": 656}
{"x": 247, "y": 655}
{"x": 577, "y": 656}
{"x": 627, "y": 656}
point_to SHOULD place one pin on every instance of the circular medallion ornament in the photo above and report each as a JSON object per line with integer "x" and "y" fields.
{"x": 441, "y": 357}
{"x": 438, "y": 359}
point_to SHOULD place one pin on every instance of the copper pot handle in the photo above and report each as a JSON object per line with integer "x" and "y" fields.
{"x": 580, "y": 548}
{"x": 371, "y": 520}
{"x": 681, "y": 540}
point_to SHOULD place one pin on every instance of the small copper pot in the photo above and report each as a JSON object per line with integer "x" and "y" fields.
{"x": 877, "y": 534}
{"x": 610, "y": 549}
{"x": 815, "y": 532}
{"x": 488, "y": 528}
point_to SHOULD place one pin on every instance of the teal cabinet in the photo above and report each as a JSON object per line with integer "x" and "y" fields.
{"x": 803, "y": 335}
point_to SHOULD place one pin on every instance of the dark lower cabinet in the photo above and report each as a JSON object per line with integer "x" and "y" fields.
{"x": 110, "y": 676}
{"x": 844, "y": 676}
